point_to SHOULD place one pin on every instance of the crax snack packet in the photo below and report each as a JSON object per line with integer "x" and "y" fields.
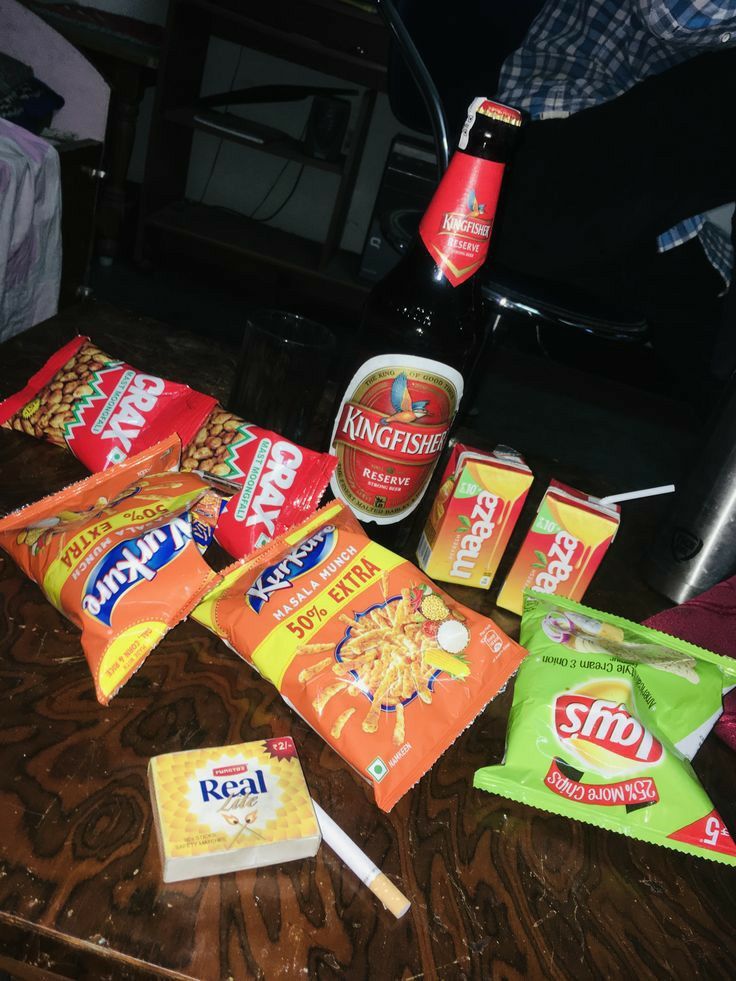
{"x": 388, "y": 669}
{"x": 606, "y": 718}
{"x": 104, "y": 410}
{"x": 277, "y": 483}
{"x": 120, "y": 555}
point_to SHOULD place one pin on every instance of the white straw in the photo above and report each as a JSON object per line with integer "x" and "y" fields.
{"x": 392, "y": 898}
{"x": 633, "y": 495}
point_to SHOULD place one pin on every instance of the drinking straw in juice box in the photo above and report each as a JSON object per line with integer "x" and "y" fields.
{"x": 563, "y": 548}
{"x": 479, "y": 501}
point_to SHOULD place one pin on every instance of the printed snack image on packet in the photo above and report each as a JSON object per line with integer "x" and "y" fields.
{"x": 388, "y": 669}
{"x": 120, "y": 555}
{"x": 606, "y": 717}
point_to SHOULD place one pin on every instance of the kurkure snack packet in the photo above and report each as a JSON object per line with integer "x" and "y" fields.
{"x": 384, "y": 666}
{"x": 104, "y": 410}
{"x": 606, "y": 717}
{"x": 119, "y": 554}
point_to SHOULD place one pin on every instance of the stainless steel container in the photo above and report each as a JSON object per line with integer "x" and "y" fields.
{"x": 695, "y": 547}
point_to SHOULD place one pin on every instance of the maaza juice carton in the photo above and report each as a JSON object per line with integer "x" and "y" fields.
{"x": 563, "y": 548}
{"x": 229, "y": 808}
{"x": 479, "y": 501}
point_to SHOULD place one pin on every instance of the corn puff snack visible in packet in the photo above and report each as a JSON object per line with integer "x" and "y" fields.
{"x": 119, "y": 554}
{"x": 102, "y": 409}
{"x": 281, "y": 481}
{"x": 384, "y": 666}
{"x": 606, "y": 717}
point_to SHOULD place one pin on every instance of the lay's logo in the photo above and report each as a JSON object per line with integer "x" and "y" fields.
{"x": 131, "y": 562}
{"x": 605, "y": 724}
{"x": 304, "y": 557}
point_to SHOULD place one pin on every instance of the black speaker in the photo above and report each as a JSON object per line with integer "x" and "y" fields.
{"x": 326, "y": 127}
{"x": 408, "y": 182}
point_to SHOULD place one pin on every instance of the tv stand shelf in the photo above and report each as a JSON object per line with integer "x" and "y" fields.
{"x": 256, "y": 136}
{"x": 329, "y": 35}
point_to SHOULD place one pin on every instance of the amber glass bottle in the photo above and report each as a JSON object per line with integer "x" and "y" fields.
{"x": 421, "y": 335}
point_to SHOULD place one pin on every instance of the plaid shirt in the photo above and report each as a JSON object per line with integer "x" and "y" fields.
{"x": 578, "y": 54}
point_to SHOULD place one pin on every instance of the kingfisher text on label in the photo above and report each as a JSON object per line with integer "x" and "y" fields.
{"x": 359, "y": 427}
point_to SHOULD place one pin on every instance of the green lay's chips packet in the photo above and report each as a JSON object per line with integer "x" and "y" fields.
{"x": 606, "y": 717}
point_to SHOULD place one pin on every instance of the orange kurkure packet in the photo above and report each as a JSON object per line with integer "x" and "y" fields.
{"x": 382, "y": 664}
{"x": 120, "y": 555}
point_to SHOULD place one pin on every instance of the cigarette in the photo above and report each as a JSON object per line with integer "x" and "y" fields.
{"x": 392, "y": 898}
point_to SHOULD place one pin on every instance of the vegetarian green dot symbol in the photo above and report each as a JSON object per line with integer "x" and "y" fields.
{"x": 377, "y": 769}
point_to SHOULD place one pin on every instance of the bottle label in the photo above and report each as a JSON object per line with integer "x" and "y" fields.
{"x": 456, "y": 227}
{"x": 389, "y": 432}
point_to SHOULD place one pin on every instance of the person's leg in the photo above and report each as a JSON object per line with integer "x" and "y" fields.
{"x": 724, "y": 353}
{"x": 587, "y": 196}
{"x": 682, "y": 304}
{"x": 591, "y": 188}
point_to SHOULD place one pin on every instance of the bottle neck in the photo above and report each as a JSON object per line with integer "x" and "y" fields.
{"x": 490, "y": 130}
{"x": 457, "y": 226}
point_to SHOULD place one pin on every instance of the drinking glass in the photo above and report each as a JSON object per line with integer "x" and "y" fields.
{"x": 285, "y": 361}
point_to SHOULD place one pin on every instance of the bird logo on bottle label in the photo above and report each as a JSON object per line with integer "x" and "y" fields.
{"x": 456, "y": 228}
{"x": 389, "y": 432}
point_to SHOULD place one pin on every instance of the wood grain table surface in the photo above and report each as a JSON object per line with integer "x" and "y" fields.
{"x": 498, "y": 889}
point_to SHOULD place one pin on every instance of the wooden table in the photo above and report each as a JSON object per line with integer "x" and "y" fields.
{"x": 497, "y": 889}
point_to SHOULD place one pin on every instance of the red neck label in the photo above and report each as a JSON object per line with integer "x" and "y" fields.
{"x": 456, "y": 228}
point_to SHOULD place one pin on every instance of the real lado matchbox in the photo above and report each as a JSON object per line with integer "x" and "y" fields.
{"x": 230, "y": 808}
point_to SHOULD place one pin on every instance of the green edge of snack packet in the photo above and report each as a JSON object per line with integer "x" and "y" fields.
{"x": 606, "y": 716}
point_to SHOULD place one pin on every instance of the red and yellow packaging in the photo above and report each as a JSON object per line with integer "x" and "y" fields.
{"x": 102, "y": 409}
{"x": 119, "y": 554}
{"x": 386, "y": 668}
{"x": 479, "y": 501}
{"x": 563, "y": 548}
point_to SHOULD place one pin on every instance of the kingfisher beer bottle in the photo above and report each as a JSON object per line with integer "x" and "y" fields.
{"x": 422, "y": 333}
